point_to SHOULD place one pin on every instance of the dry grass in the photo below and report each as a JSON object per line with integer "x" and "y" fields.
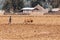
{"x": 42, "y": 28}
{"x": 45, "y": 19}
{"x": 29, "y": 32}
{"x": 4, "y": 19}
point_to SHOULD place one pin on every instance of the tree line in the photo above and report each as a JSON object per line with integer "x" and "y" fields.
{"x": 18, "y": 4}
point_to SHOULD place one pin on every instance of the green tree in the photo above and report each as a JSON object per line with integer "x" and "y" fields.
{"x": 15, "y": 4}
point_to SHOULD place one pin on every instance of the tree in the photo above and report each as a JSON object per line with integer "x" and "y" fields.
{"x": 35, "y": 2}
{"x": 55, "y": 3}
{"x": 14, "y": 4}
{"x": 6, "y": 6}
{"x": 18, "y": 4}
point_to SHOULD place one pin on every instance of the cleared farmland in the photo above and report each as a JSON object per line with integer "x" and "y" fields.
{"x": 21, "y": 28}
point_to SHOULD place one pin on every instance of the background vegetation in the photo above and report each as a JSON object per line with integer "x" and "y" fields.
{"x": 18, "y": 4}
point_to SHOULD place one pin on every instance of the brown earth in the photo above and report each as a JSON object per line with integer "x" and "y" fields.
{"x": 47, "y": 28}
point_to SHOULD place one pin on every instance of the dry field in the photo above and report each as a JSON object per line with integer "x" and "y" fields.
{"x": 42, "y": 28}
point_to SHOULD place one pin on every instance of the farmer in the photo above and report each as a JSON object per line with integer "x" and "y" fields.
{"x": 10, "y": 20}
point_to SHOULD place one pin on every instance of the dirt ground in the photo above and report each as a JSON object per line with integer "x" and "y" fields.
{"x": 29, "y": 32}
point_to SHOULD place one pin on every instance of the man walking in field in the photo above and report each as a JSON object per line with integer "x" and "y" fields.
{"x": 10, "y": 20}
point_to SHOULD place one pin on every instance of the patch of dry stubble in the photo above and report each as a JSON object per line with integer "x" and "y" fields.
{"x": 29, "y": 32}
